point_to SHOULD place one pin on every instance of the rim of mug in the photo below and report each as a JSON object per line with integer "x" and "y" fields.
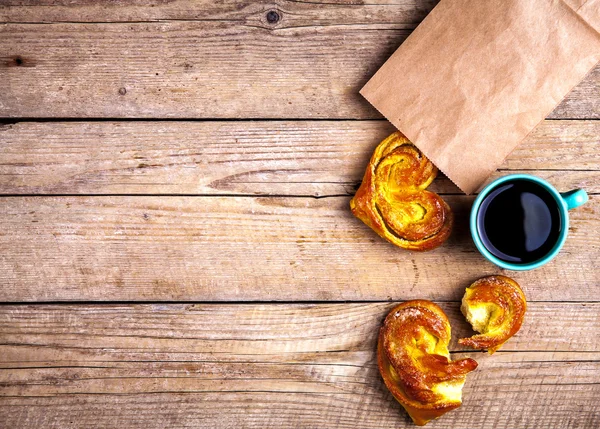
{"x": 515, "y": 266}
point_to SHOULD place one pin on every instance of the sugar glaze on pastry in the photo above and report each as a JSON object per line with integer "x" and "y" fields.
{"x": 414, "y": 361}
{"x": 393, "y": 201}
{"x": 495, "y": 306}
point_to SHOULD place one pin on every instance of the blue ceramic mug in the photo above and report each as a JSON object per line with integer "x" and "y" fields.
{"x": 564, "y": 202}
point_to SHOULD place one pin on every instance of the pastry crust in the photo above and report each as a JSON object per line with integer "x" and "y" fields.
{"x": 495, "y": 306}
{"x": 392, "y": 199}
{"x": 413, "y": 359}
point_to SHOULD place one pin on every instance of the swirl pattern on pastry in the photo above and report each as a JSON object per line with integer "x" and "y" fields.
{"x": 392, "y": 199}
{"x": 495, "y": 306}
{"x": 413, "y": 359}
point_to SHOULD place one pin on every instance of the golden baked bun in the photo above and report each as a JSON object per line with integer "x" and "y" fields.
{"x": 392, "y": 199}
{"x": 495, "y": 306}
{"x": 413, "y": 358}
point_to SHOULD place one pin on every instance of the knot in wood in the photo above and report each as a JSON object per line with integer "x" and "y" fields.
{"x": 273, "y": 17}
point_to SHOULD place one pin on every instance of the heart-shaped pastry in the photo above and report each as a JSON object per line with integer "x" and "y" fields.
{"x": 392, "y": 199}
{"x": 415, "y": 364}
{"x": 495, "y": 306}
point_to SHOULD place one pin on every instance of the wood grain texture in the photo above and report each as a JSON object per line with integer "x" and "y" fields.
{"x": 307, "y": 158}
{"x": 291, "y": 13}
{"x": 206, "y": 69}
{"x": 248, "y": 365}
{"x": 247, "y": 248}
{"x": 555, "y": 406}
{"x": 263, "y": 366}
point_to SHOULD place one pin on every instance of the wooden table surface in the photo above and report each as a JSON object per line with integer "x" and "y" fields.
{"x": 176, "y": 246}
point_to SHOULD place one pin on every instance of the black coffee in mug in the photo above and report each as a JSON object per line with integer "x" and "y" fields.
{"x": 519, "y": 221}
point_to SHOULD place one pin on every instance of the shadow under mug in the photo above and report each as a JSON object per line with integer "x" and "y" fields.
{"x": 564, "y": 202}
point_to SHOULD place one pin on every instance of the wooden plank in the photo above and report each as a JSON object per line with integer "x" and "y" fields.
{"x": 291, "y": 13}
{"x": 257, "y": 158}
{"x": 41, "y": 335}
{"x": 490, "y": 407}
{"x": 207, "y": 69}
{"x": 251, "y": 365}
{"x": 247, "y": 248}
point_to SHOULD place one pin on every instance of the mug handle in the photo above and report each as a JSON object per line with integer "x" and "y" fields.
{"x": 574, "y": 198}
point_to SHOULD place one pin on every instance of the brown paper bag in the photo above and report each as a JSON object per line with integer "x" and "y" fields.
{"x": 478, "y": 75}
